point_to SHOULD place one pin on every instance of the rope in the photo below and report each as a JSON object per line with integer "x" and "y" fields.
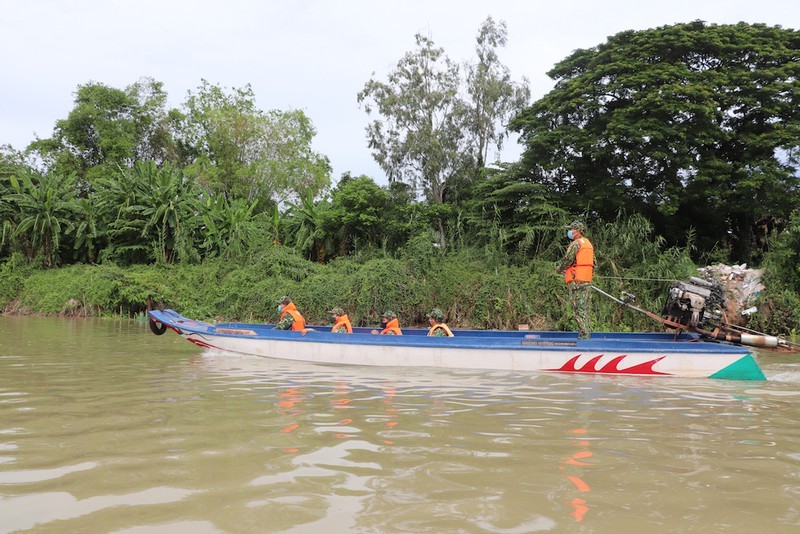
{"x": 634, "y": 278}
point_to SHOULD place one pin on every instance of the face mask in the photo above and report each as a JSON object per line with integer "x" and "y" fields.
{"x": 280, "y": 308}
{"x": 569, "y": 234}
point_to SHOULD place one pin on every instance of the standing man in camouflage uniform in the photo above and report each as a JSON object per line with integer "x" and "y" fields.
{"x": 578, "y": 268}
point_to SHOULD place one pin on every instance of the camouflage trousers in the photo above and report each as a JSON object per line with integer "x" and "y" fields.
{"x": 580, "y": 297}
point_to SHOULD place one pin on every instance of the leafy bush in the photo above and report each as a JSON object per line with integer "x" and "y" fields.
{"x": 13, "y": 273}
{"x": 473, "y": 292}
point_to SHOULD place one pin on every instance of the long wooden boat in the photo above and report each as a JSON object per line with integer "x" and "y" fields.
{"x": 606, "y": 353}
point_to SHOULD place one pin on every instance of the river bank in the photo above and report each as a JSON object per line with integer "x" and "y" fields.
{"x": 471, "y": 292}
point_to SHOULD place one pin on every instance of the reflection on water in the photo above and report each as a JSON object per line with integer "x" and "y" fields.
{"x": 107, "y": 428}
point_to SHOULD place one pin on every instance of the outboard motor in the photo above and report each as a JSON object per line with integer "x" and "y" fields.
{"x": 696, "y": 302}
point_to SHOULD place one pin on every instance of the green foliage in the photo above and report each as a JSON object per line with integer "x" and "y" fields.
{"x": 422, "y": 253}
{"x": 779, "y": 305}
{"x": 124, "y": 291}
{"x": 783, "y": 258}
{"x": 235, "y": 149}
{"x": 41, "y": 213}
{"x": 420, "y": 135}
{"x": 282, "y": 262}
{"x": 494, "y": 98}
{"x": 108, "y": 128}
{"x": 305, "y": 228}
{"x": 631, "y": 258}
{"x": 688, "y": 124}
{"x": 89, "y": 230}
{"x": 779, "y": 311}
{"x": 357, "y": 215}
{"x": 514, "y": 216}
{"x": 155, "y": 213}
{"x": 428, "y": 133}
{"x": 381, "y": 285}
{"x": 11, "y": 163}
{"x": 228, "y": 226}
{"x": 13, "y": 273}
{"x": 505, "y": 299}
{"x": 329, "y": 287}
{"x": 54, "y": 292}
{"x": 471, "y": 292}
{"x": 474, "y": 295}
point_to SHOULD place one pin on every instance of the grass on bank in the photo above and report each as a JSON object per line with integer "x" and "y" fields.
{"x": 473, "y": 289}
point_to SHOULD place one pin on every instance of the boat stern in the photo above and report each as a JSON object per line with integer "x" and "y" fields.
{"x": 745, "y": 368}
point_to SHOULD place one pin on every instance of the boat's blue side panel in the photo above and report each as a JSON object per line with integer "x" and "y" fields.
{"x": 511, "y": 334}
{"x": 557, "y": 341}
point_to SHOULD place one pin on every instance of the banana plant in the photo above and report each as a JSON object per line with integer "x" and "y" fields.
{"x": 170, "y": 205}
{"x": 306, "y": 229}
{"x": 45, "y": 206}
{"x": 227, "y": 225}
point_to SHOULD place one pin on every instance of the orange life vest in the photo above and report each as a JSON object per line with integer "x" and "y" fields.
{"x": 342, "y": 321}
{"x": 393, "y": 326}
{"x": 443, "y": 327}
{"x": 582, "y": 269}
{"x": 299, "y": 323}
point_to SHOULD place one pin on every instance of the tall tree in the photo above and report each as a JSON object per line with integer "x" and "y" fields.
{"x": 421, "y": 135}
{"x": 358, "y": 213}
{"x": 155, "y": 124}
{"x": 237, "y": 150}
{"x": 108, "y": 128}
{"x": 694, "y": 125}
{"x": 437, "y": 123}
{"x": 493, "y": 97}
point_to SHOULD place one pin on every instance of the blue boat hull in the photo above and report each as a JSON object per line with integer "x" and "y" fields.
{"x": 610, "y": 353}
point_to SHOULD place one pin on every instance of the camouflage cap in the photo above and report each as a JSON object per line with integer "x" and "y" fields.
{"x": 389, "y": 314}
{"x": 577, "y": 225}
{"x": 336, "y": 311}
{"x": 284, "y": 300}
{"x": 436, "y": 314}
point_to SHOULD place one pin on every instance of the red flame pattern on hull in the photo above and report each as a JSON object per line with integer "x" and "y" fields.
{"x": 611, "y": 367}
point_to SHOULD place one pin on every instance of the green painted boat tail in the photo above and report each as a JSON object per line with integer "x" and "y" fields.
{"x": 745, "y": 368}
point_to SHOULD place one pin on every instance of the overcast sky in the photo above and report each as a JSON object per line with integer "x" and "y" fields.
{"x": 314, "y": 55}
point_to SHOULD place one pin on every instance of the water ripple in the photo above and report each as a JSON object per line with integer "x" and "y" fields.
{"x": 122, "y": 431}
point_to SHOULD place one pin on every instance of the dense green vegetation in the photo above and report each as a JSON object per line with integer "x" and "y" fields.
{"x": 693, "y": 125}
{"x": 419, "y": 276}
{"x": 678, "y": 146}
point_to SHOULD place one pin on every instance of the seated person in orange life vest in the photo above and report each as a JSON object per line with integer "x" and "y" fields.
{"x": 341, "y": 323}
{"x": 391, "y": 326}
{"x": 291, "y": 319}
{"x": 438, "y": 328}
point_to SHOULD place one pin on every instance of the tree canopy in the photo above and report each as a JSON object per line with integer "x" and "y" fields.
{"x": 236, "y": 149}
{"x": 436, "y": 122}
{"x": 695, "y": 125}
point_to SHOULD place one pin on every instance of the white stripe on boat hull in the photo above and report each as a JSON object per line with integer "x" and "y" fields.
{"x": 685, "y": 364}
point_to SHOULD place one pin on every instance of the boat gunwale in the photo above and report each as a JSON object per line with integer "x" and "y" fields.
{"x": 512, "y": 340}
